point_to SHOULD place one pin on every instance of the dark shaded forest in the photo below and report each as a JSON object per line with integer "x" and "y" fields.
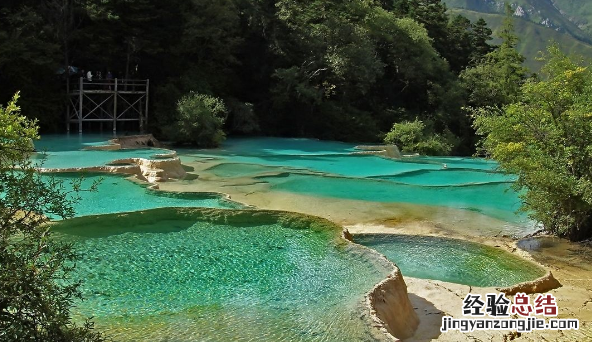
{"x": 342, "y": 70}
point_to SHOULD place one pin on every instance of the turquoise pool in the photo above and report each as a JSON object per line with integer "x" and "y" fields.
{"x": 66, "y": 151}
{"x": 153, "y": 272}
{"x": 329, "y": 170}
{"x": 116, "y": 194}
{"x": 315, "y": 168}
{"x": 451, "y": 260}
{"x": 164, "y": 275}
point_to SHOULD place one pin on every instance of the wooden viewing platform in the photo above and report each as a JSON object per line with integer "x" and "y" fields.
{"x": 112, "y": 101}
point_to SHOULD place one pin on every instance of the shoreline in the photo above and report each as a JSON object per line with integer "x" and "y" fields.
{"x": 430, "y": 298}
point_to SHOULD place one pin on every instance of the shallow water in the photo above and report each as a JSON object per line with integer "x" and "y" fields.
{"x": 489, "y": 199}
{"x": 449, "y": 177}
{"x": 66, "y": 151}
{"x": 328, "y": 169}
{"x": 461, "y": 183}
{"x": 326, "y": 156}
{"x": 159, "y": 276}
{"x": 452, "y": 260}
{"x": 155, "y": 275}
{"x": 116, "y": 194}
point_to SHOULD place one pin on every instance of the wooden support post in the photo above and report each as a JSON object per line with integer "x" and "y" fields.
{"x": 68, "y": 104}
{"x": 115, "y": 108}
{"x": 81, "y": 94}
{"x": 147, "y": 98}
{"x": 140, "y": 106}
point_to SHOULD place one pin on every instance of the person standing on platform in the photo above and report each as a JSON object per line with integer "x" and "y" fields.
{"x": 109, "y": 78}
{"x": 89, "y": 76}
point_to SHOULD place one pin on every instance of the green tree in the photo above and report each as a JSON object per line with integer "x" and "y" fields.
{"x": 460, "y": 43}
{"x": 36, "y": 289}
{"x": 497, "y": 78}
{"x": 481, "y": 35}
{"x": 544, "y": 138}
{"x": 413, "y": 137}
{"x": 199, "y": 121}
{"x": 29, "y": 57}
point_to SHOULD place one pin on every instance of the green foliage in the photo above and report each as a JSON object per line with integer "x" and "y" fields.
{"x": 413, "y": 137}
{"x": 496, "y": 79}
{"x": 544, "y": 138}
{"x": 326, "y": 69}
{"x": 29, "y": 56}
{"x": 480, "y": 39}
{"x": 242, "y": 118}
{"x": 199, "y": 121}
{"x": 533, "y": 36}
{"x": 36, "y": 290}
{"x": 567, "y": 17}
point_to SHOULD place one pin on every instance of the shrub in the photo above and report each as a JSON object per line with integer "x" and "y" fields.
{"x": 199, "y": 121}
{"x": 544, "y": 138}
{"x": 37, "y": 289}
{"x": 412, "y": 136}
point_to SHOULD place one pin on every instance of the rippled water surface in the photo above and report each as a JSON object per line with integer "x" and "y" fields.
{"x": 156, "y": 276}
{"x": 452, "y": 260}
{"x": 116, "y": 194}
{"x": 67, "y": 151}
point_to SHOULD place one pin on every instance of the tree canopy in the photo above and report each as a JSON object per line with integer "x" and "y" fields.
{"x": 326, "y": 69}
{"x": 544, "y": 137}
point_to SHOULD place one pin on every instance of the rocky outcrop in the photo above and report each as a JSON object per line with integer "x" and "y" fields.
{"x": 137, "y": 141}
{"x": 129, "y": 142}
{"x": 165, "y": 166}
{"x": 390, "y": 151}
{"x": 390, "y": 307}
{"x": 159, "y": 170}
{"x": 152, "y": 171}
{"x": 540, "y": 285}
{"x": 347, "y": 235}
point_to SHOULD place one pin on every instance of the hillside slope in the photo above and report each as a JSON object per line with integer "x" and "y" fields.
{"x": 567, "y": 16}
{"x": 533, "y": 37}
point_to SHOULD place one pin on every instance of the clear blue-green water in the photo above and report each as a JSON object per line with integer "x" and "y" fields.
{"x": 328, "y": 157}
{"x": 489, "y": 199}
{"x": 67, "y": 151}
{"x": 449, "y": 177}
{"x": 116, "y": 194}
{"x": 329, "y": 170}
{"x": 322, "y": 169}
{"x": 451, "y": 260}
{"x": 317, "y": 168}
{"x": 157, "y": 276}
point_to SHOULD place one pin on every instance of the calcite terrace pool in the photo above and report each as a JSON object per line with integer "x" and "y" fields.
{"x": 155, "y": 271}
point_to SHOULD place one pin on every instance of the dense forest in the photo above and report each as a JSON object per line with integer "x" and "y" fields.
{"x": 344, "y": 70}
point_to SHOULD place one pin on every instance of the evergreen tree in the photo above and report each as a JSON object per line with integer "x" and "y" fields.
{"x": 497, "y": 79}
{"x": 481, "y": 35}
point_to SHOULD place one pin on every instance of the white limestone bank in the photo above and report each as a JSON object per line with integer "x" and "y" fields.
{"x": 543, "y": 284}
{"x": 151, "y": 171}
{"x": 389, "y": 151}
{"x": 165, "y": 166}
{"x": 390, "y": 308}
